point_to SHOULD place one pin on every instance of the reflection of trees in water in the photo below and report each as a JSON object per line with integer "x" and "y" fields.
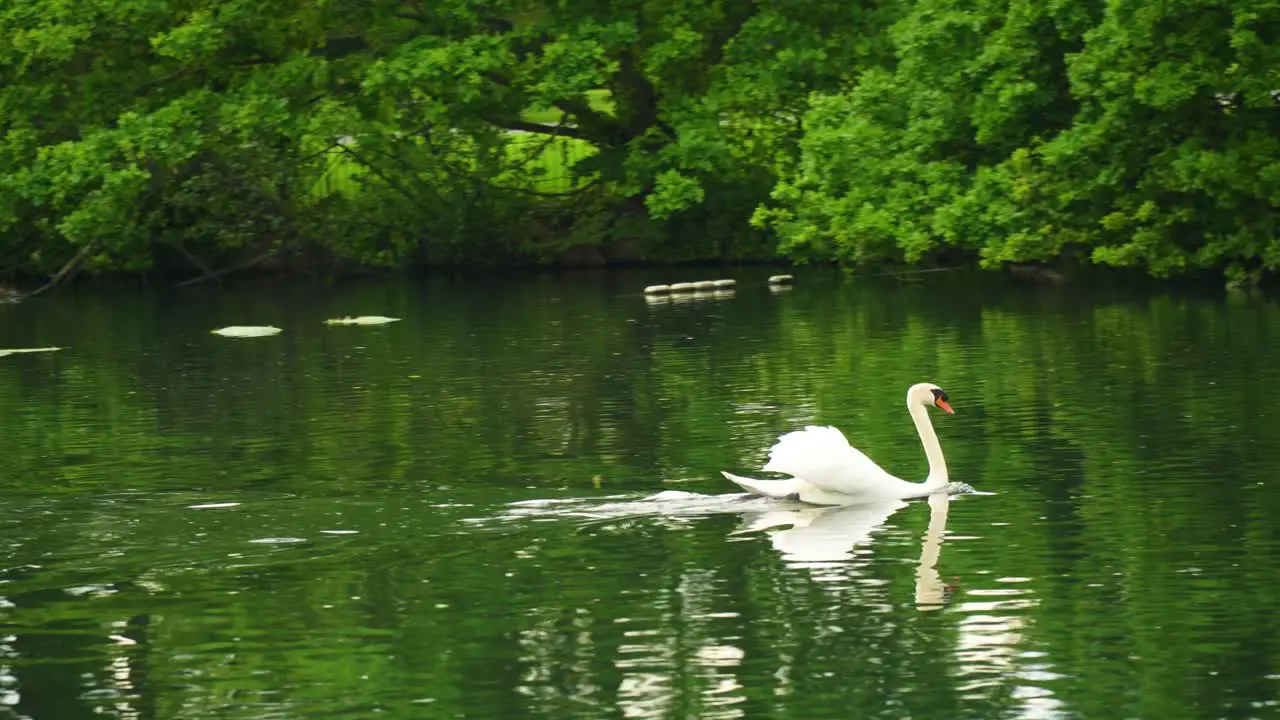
{"x": 1126, "y": 440}
{"x": 830, "y": 613}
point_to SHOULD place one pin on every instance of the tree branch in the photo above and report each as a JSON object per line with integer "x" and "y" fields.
{"x": 227, "y": 271}
{"x": 196, "y": 262}
{"x": 595, "y": 126}
{"x": 328, "y": 148}
{"x": 67, "y": 272}
{"x": 540, "y": 129}
{"x": 568, "y": 193}
{"x": 378, "y": 171}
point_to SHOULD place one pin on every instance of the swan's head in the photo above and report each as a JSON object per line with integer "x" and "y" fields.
{"x": 929, "y": 394}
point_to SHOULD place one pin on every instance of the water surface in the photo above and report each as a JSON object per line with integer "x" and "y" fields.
{"x": 450, "y": 516}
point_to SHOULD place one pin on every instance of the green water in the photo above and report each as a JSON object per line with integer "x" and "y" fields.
{"x": 355, "y": 522}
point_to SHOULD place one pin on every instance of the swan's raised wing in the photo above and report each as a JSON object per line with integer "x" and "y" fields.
{"x": 824, "y": 458}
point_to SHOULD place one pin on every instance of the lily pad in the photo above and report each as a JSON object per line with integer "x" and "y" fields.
{"x": 244, "y": 331}
{"x": 15, "y": 351}
{"x": 362, "y": 320}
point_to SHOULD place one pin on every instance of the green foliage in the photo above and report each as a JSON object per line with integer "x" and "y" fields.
{"x": 200, "y": 135}
{"x": 1127, "y": 134}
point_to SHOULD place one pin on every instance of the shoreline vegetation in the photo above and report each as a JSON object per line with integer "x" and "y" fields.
{"x": 198, "y": 141}
{"x": 639, "y": 279}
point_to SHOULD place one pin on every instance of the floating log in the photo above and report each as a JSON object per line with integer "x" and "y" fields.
{"x": 686, "y": 287}
{"x": 689, "y": 297}
{"x": 702, "y": 295}
{"x": 780, "y": 279}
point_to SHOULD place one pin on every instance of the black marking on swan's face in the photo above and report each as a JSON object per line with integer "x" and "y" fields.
{"x": 941, "y": 401}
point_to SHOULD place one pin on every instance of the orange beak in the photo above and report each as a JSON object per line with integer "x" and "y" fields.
{"x": 944, "y": 405}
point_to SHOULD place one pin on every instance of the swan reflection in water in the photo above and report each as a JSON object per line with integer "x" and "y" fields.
{"x": 820, "y": 538}
{"x": 832, "y": 537}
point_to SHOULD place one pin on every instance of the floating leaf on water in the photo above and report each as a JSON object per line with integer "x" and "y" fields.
{"x": 244, "y": 331}
{"x": 15, "y": 351}
{"x": 362, "y": 320}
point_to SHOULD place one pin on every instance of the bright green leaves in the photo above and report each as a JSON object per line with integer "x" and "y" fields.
{"x": 1180, "y": 135}
{"x": 197, "y": 39}
{"x": 383, "y": 131}
{"x": 161, "y": 124}
{"x": 1132, "y": 134}
{"x": 51, "y": 43}
{"x": 581, "y": 58}
{"x": 455, "y": 73}
{"x": 1115, "y": 131}
{"x": 867, "y": 184}
{"x": 673, "y": 192}
{"x": 90, "y": 191}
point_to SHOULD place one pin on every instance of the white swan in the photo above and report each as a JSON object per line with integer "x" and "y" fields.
{"x": 826, "y": 470}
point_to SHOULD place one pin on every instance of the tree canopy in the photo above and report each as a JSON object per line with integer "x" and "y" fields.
{"x": 197, "y": 136}
{"x": 1122, "y": 133}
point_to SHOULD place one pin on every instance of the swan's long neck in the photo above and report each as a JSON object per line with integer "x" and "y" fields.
{"x": 932, "y": 449}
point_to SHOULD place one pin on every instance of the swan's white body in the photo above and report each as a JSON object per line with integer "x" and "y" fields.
{"x": 826, "y": 470}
